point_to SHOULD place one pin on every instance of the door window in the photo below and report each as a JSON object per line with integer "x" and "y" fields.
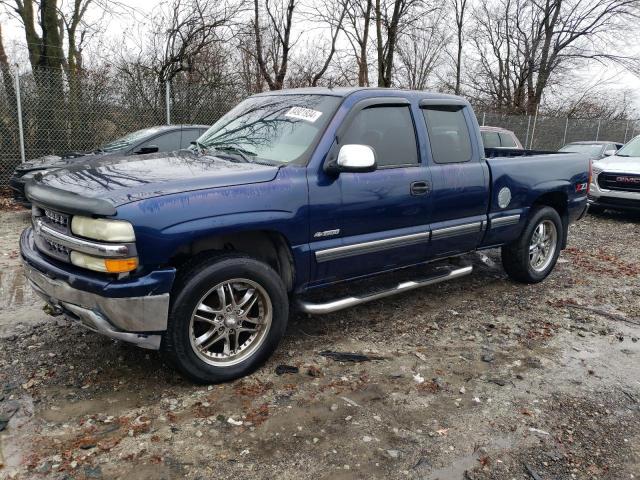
{"x": 448, "y": 134}
{"x": 166, "y": 142}
{"x": 188, "y": 135}
{"x": 389, "y": 131}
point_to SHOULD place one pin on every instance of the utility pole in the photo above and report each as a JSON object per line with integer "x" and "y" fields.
{"x": 167, "y": 94}
{"x": 19, "y": 112}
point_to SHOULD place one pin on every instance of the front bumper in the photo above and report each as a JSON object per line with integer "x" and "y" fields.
{"x": 138, "y": 314}
{"x": 613, "y": 199}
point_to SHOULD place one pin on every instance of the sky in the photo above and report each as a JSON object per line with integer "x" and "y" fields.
{"x": 134, "y": 14}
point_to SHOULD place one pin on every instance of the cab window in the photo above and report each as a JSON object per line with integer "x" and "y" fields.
{"x": 448, "y": 134}
{"x": 389, "y": 131}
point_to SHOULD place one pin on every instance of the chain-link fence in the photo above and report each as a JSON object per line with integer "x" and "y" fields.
{"x": 551, "y": 133}
{"x": 63, "y": 113}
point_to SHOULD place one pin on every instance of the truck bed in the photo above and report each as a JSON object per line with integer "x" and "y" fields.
{"x": 515, "y": 152}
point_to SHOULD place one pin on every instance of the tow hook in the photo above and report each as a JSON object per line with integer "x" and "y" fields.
{"x": 53, "y": 310}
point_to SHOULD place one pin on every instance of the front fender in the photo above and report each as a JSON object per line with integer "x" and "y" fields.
{"x": 165, "y": 225}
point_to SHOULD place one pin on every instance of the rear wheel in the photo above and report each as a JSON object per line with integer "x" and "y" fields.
{"x": 228, "y": 316}
{"x": 531, "y": 258}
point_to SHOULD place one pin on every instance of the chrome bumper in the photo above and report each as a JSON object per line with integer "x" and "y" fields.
{"x": 138, "y": 320}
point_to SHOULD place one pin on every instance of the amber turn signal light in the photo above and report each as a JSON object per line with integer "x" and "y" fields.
{"x": 120, "y": 265}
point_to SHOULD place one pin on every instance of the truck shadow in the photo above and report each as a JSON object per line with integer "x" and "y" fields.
{"x": 618, "y": 215}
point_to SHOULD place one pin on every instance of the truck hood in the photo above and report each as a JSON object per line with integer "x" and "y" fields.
{"x": 121, "y": 180}
{"x": 618, "y": 164}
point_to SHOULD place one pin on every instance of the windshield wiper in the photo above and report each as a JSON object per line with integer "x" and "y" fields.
{"x": 199, "y": 146}
{"x": 622, "y": 155}
{"x": 237, "y": 150}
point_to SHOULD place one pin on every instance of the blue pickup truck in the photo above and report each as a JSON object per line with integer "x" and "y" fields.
{"x": 202, "y": 253}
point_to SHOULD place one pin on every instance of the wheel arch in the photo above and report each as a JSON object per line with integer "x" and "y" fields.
{"x": 268, "y": 246}
{"x": 559, "y": 201}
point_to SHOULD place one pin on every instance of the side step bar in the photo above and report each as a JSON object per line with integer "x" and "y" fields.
{"x": 335, "y": 305}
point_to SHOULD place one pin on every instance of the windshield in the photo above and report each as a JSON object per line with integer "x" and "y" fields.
{"x": 128, "y": 140}
{"x": 589, "y": 149}
{"x": 273, "y": 128}
{"x": 631, "y": 149}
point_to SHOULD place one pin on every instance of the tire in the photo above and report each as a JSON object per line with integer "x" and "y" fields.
{"x": 234, "y": 354}
{"x": 516, "y": 257}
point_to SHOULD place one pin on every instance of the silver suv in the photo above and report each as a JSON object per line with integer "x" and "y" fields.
{"x": 615, "y": 182}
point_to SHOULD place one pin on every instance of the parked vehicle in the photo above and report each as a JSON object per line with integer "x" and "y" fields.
{"x": 594, "y": 150}
{"x": 616, "y": 180}
{"x": 163, "y": 138}
{"x": 199, "y": 253}
{"x": 496, "y": 137}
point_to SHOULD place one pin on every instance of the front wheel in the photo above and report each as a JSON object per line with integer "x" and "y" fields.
{"x": 531, "y": 258}
{"x": 228, "y": 316}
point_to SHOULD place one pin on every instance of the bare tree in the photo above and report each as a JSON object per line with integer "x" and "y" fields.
{"x": 5, "y": 72}
{"x": 460, "y": 11}
{"x": 56, "y": 32}
{"x": 190, "y": 46}
{"x": 250, "y": 72}
{"x": 184, "y": 32}
{"x": 356, "y": 27}
{"x": 331, "y": 15}
{"x": 421, "y": 50}
{"x": 391, "y": 17}
{"x": 278, "y": 30}
{"x": 524, "y": 47}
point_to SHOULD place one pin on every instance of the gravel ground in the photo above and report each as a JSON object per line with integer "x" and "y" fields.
{"x": 479, "y": 378}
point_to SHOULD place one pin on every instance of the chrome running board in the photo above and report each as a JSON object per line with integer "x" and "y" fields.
{"x": 335, "y": 305}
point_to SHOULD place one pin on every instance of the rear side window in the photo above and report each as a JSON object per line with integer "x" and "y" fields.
{"x": 448, "y": 134}
{"x": 389, "y": 131}
{"x": 507, "y": 141}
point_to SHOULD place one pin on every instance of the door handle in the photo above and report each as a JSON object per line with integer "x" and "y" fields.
{"x": 420, "y": 188}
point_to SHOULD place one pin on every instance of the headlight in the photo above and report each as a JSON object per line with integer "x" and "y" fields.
{"x": 103, "y": 229}
{"x": 108, "y": 265}
{"x": 30, "y": 174}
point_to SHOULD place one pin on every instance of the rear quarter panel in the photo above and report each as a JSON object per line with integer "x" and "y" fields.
{"x": 528, "y": 179}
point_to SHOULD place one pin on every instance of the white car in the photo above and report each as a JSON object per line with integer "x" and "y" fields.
{"x": 615, "y": 183}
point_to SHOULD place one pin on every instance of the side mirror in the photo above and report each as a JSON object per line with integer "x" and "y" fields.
{"x": 609, "y": 153}
{"x": 147, "y": 149}
{"x": 356, "y": 158}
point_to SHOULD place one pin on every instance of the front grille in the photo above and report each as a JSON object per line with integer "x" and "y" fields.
{"x": 57, "y": 218}
{"x": 58, "y": 221}
{"x": 619, "y": 181}
{"x": 55, "y": 249}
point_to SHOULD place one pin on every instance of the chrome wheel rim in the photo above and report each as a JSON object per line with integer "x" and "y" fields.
{"x": 542, "y": 247}
{"x": 230, "y": 322}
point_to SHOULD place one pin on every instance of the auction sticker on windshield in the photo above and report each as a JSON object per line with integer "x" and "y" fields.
{"x": 302, "y": 113}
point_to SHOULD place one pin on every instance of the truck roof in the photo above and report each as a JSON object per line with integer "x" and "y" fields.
{"x": 346, "y": 91}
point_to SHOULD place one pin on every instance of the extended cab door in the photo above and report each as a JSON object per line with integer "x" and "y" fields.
{"x": 368, "y": 222}
{"x": 460, "y": 176}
